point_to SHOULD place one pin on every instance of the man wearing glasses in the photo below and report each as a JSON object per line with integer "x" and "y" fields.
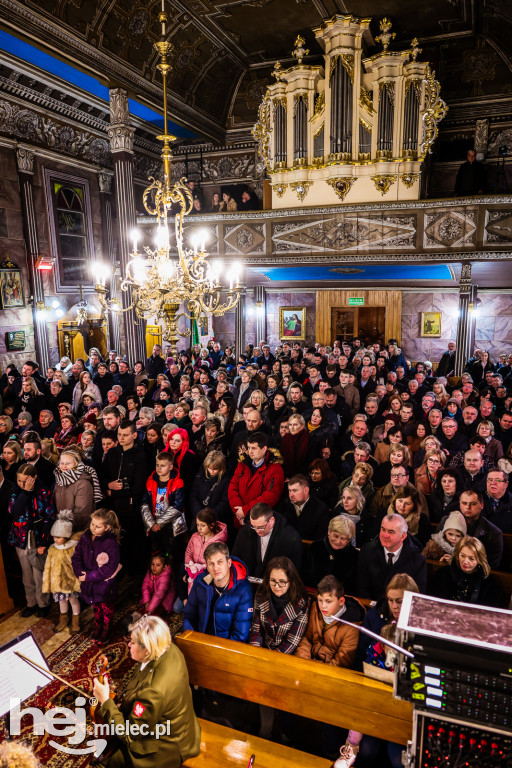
{"x": 498, "y": 500}
{"x": 382, "y": 499}
{"x": 265, "y": 535}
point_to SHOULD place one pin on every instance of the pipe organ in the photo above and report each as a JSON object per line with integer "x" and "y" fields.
{"x": 353, "y": 130}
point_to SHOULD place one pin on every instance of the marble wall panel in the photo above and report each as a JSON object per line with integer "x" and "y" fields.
{"x": 503, "y": 328}
{"x": 485, "y": 327}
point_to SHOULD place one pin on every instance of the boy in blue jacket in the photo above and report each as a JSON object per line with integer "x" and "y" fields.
{"x": 220, "y": 602}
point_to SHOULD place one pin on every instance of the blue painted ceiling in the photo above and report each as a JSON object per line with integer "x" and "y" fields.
{"x": 374, "y": 272}
{"x": 67, "y": 73}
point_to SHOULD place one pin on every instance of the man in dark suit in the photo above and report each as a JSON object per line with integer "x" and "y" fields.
{"x": 498, "y": 500}
{"x": 391, "y": 552}
{"x": 308, "y": 515}
{"x": 447, "y": 361}
{"x": 155, "y": 364}
{"x": 267, "y": 358}
{"x": 32, "y": 453}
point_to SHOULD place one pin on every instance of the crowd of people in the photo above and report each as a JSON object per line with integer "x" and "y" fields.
{"x": 265, "y": 495}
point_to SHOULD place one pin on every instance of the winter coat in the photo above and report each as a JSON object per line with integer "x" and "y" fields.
{"x": 175, "y": 501}
{"x": 322, "y": 560}
{"x": 32, "y": 511}
{"x": 194, "y": 553}
{"x": 451, "y": 583}
{"x": 264, "y": 485}
{"x": 282, "y": 633}
{"x": 313, "y": 520}
{"x": 99, "y": 558}
{"x": 294, "y": 450}
{"x": 210, "y": 492}
{"x": 246, "y": 394}
{"x": 159, "y": 590}
{"x": 437, "y": 547}
{"x": 233, "y": 610}
{"x": 58, "y": 573}
{"x": 79, "y": 497}
{"x": 335, "y": 644}
{"x": 78, "y": 393}
{"x": 284, "y": 541}
{"x": 160, "y": 693}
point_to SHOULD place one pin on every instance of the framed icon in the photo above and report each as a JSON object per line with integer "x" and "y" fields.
{"x": 11, "y": 286}
{"x": 431, "y": 324}
{"x": 292, "y": 323}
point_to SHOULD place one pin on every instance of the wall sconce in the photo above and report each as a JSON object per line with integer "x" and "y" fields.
{"x": 55, "y": 306}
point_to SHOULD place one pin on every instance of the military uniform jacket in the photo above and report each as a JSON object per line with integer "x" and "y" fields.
{"x": 157, "y": 694}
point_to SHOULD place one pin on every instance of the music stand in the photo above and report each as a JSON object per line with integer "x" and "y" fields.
{"x": 18, "y": 679}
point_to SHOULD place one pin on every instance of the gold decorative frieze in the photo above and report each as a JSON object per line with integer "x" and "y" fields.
{"x": 318, "y": 131}
{"x": 346, "y": 60}
{"x": 409, "y": 179}
{"x": 301, "y": 188}
{"x": 366, "y": 101}
{"x": 434, "y": 109}
{"x": 415, "y": 83}
{"x": 365, "y": 124}
{"x": 279, "y": 189}
{"x": 341, "y": 185}
{"x": 319, "y": 105}
{"x": 277, "y": 72}
{"x": 389, "y": 85}
{"x": 297, "y": 98}
{"x": 383, "y": 182}
{"x": 262, "y": 130}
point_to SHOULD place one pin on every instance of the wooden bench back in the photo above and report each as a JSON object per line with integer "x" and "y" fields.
{"x": 318, "y": 691}
{"x": 504, "y": 580}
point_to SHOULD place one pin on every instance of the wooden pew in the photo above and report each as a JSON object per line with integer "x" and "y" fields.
{"x": 221, "y": 746}
{"x": 310, "y": 689}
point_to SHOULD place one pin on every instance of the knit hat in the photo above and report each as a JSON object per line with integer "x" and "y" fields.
{"x": 91, "y": 419}
{"x": 456, "y": 522}
{"x": 63, "y": 526}
{"x": 97, "y": 405}
{"x": 89, "y": 393}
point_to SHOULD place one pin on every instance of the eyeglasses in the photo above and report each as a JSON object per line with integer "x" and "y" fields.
{"x": 495, "y": 480}
{"x": 259, "y": 528}
{"x": 281, "y": 583}
{"x": 402, "y": 474}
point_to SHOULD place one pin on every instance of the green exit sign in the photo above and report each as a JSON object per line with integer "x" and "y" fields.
{"x": 355, "y": 301}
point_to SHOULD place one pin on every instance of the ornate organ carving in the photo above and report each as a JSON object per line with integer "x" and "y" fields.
{"x": 368, "y": 121}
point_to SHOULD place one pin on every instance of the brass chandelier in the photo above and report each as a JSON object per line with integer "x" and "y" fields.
{"x": 168, "y": 277}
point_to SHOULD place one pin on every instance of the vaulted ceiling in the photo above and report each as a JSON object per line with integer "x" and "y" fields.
{"x": 225, "y": 49}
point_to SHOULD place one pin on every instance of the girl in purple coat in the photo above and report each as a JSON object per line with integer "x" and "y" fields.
{"x": 96, "y": 564}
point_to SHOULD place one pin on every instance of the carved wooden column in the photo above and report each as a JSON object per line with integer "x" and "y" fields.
{"x": 108, "y": 248}
{"x": 25, "y": 161}
{"x": 466, "y": 320}
{"x": 121, "y": 134}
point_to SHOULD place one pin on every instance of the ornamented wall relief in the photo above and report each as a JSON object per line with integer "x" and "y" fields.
{"x": 498, "y": 226}
{"x": 451, "y": 229}
{"x": 27, "y": 124}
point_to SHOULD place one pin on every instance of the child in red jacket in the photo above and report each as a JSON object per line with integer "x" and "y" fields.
{"x": 162, "y": 508}
{"x": 158, "y": 593}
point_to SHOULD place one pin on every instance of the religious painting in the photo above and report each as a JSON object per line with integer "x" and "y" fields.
{"x": 292, "y": 323}
{"x": 431, "y": 324}
{"x": 11, "y": 286}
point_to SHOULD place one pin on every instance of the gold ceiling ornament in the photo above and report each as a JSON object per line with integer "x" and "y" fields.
{"x": 415, "y": 49}
{"x": 341, "y": 185}
{"x": 262, "y": 130}
{"x": 279, "y": 189}
{"x": 299, "y": 51}
{"x": 162, "y": 279}
{"x": 301, "y": 188}
{"x": 383, "y": 182}
{"x": 386, "y": 36}
{"x": 366, "y": 101}
{"x": 434, "y": 110}
{"x": 409, "y": 179}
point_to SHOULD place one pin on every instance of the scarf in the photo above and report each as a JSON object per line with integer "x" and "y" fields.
{"x": 63, "y": 478}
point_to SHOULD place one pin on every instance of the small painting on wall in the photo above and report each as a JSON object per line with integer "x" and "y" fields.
{"x": 292, "y": 323}
{"x": 431, "y": 324}
{"x": 11, "y": 286}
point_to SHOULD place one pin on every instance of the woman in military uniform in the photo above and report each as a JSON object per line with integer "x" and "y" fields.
{"x": 157, "y": 695}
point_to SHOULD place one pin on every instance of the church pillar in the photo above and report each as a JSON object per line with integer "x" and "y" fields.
{"x": 25, "y": 162}
{"x": 121, "y": 134}
{"x": 261, "y": 313}
{"x": 466, "y": 320}
{"x": 240, "y": 326}
{"x": 107, "y": 244}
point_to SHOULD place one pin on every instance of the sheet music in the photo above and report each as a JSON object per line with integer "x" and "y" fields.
{"x": 18, "y": 679}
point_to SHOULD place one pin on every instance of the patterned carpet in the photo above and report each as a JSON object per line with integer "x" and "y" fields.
{"x": 76, "y": 661}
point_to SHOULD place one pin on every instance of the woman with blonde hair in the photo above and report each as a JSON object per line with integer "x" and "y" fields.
{"x": 361, "y": 477}
{"x": 440, "y": 393}
{"x": 210, "y": 488}
{"x": 76, "y": 488}
{"x": 494, "y": 448}
{"x": 334, "y": 555}
{"x": 6, "y": 429}
{"x": 12, "y": 459}
{"x": 161, "y": 698}
{"x": 467, "y": 578}
{"x": 258, "y": 399}
{"x": 351, "y": 504}
{"x": 49, "y": 450}
{"x": 425, "y": 476}
{"x": 429, "y": 443}
{"x": 29, "y": 399}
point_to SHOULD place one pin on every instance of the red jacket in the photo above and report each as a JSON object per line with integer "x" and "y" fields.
{"x": 248, "y": 488}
